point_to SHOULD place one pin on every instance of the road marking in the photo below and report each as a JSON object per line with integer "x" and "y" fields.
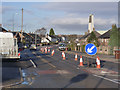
{"x": 33, "y": 63}
{"x": 47, "y": 62}
{"x": 107, "y": 79}
{"x": 90, "y": 49}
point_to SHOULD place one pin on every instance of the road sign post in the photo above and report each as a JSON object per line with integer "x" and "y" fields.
{"x": 91, "y": 50}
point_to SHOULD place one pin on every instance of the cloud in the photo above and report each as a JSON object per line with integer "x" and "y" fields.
{"x": 79, "y": 25}
{"x": 102, "y": 8}
{"x": 29, "y": 11}
{"x": 69, "y": 21}
{"x": 69, "y": 17}
{"x": 82, "y": 21}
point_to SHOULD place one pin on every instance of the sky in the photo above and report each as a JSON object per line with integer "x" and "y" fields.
{"x": 63, "y": 17}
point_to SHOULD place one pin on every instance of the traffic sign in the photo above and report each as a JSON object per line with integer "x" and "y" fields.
{"x": 91, "y": 49}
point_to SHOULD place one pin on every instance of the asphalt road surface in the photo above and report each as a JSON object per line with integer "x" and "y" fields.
{"x": 41, "y": 70}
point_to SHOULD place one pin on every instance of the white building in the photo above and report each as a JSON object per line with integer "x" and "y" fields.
{"x": 48, "y": 39}
{"x": 91, "y": 23}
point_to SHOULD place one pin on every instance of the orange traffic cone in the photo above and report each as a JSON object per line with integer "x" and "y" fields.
{"x": 46, "y": 50}
{"x": 81, "y": 61}
{"x": 66, "y": 49}
{"x": 42, "y": 50}
{"x": 63, "y": 55}
{"x": 76, "y": 57}
{"x": 98, "y": 62}
{"x": 52, "y": 52}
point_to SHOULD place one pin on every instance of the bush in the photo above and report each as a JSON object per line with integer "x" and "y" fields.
{"x": 83, "y": 48}
{"x": 68, "y": 47}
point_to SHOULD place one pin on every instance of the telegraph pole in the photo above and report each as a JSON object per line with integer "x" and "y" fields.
{"x": 22, "y": 27}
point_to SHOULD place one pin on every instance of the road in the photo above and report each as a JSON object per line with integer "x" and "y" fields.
{"x": 41, "y": 70}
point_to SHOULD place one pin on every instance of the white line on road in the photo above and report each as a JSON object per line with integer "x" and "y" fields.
{"x": 107, "y": 79}
{"x": 33, "y": 63}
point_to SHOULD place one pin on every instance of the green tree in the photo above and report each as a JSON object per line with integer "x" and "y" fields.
{"x": 93, "y": 39}
{"x": 114, "y": 37}
{"x": 51, "y": 32}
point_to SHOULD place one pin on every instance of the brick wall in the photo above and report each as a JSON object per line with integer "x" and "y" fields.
{"x": 106, "y": 50}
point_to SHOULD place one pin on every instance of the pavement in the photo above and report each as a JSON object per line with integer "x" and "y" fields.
{"x": 110, "y": 58}
{"x": 12, "y": 71}
{"x": 11, "y": 78}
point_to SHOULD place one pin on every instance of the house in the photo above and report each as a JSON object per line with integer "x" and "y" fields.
{"x": 2, "y": 29}
{"x": 83, "y": 39}
{"x": 104, "y": 38}
{"x": 17, "y": 35}
{"x": 32, "y": 36}
{"x": 104, "y": 47}
{"x": 45, "y": 40}
{"x": 50, "y": 38}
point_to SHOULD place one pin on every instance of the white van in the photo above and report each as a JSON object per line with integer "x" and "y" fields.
{"x": 8, "y": 46}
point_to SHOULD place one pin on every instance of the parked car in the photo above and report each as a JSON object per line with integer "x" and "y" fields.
{"x": 62, "y": 46}
{"x": 26, "y": 46}
{"x": 33, "y": 47}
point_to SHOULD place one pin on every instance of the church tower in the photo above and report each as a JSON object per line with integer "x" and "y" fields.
{"x": 91, "y": 23}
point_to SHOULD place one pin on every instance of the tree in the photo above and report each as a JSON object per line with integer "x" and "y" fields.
{"x": 41, "y": 31}
{"x": 51, "y": 32}
{"x": 93, "y": 39}
{"x": 114, "y": 37}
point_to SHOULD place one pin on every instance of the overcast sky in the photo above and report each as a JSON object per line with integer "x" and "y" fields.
{"x": 63, "y": 17}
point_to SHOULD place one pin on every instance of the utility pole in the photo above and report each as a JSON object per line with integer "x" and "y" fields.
{"x": 22, "y": 27}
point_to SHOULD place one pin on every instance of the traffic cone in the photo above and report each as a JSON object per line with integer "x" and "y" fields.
{"x": 81, "y": 61}
{"x": 76, "y": 57}
{"x": 46, "y": 50}
{"x": 65, "y": 49}
{"x": 98, "y": 62}
{"x": 52, "y": 52}
{"x": 42, "y": 50}
{"x": 63, "y": 56}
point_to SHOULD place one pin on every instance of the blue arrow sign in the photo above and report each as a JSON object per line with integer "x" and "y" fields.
{"x": 91, "y": 49}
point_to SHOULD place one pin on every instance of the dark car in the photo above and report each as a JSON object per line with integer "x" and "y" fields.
{"x": 62, "y": 46}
